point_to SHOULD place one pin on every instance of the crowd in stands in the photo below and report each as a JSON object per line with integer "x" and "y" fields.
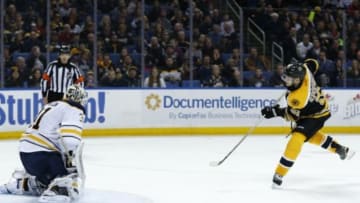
{"x": 303, "y": 28}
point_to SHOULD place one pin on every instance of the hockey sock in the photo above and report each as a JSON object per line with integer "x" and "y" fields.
{"x": 292, "y": 151}
{"x": 325, "y": 141}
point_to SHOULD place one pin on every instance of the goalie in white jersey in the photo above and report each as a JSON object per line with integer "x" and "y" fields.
{"x": 50, "y": 151}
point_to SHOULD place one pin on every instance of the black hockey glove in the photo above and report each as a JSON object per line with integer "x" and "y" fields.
{"x": 272, "y": 111}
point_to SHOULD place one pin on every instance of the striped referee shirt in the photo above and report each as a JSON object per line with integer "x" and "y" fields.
{"x": 57, "y": 77}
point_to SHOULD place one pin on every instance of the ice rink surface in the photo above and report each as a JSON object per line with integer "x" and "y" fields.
{"x": 176, "y": 170}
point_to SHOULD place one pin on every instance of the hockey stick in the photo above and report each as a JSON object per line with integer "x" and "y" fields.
{"x": 218, "y": 163}
{"x": 79, "y": 162}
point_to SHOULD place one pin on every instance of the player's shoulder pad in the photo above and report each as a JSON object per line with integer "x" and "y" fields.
{"x": 75, "y": 104}
{"x": 312, "y": 65}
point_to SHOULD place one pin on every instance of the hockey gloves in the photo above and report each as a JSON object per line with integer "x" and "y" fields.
{"x": 272, "y": 111}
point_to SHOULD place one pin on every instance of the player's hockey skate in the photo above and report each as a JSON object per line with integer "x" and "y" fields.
{"x": 277, "y": 181}
{"x": 345, "y": 152}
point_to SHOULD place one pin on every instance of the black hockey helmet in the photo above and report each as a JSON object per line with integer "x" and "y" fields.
{"x": 293, "y": 75}
{"x": 64, "y": 49}
{"x": 295, "y": 70}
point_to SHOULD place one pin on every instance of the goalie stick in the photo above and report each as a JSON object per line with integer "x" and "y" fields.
{"x": 79, "y": 162}
{"x": 218, "y": 163}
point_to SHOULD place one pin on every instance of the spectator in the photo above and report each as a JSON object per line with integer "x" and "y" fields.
{"x": 105, "y": 64}
{"x": 182, "y": 43}
{"x": 315, "y": 51}
{"x": 258, "y": 79}
{"x": 216, "y": 58}
{"x": 339, "y": 72}
{"x": 235, "y": 55}
{"x": 109, "y": 79}
{"x": 204, "y": 71}
{"x": 132, "y": 78}
{"x": 90, "y": 80}
{"x": 124, "y": 37}
{"x": 237, "y": 79}
{"x": 31, "y": 41}
{"x": 254, "y": 60}
{"x": 154, "y": 79}
{"x": 215, "y": 35}
{"x": 206, "y": 26}
{"x": 303, "y": 47}
{"x": 112, "y": 45}
{"x": 289, "y": 46}
{"x": 85, "y": 62}
{"x": 18, "y": 44}
{"x": 275, "y": 79}
{"x": 215, "y": 80}
{"x": 66, "y": 36}
{"x": 327, "y": 74}
{"x": 22, "y": 68}
{"x": 15, "y": 79}
{"x": 154, "y": 54}
{"x": 170, "y": 72}
{"x": 354, "y": 71}
{"x": 36, "y": 58}
{"x": 127, "y": 64}
{"x": 35, "y": 77}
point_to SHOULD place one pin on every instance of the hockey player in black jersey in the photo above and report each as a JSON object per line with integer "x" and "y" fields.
{"x": 309, "y": 109}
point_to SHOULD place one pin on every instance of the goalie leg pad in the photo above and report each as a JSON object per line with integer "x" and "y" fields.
{"x": 64, "y": 189}
{"x": 22, "y": 183}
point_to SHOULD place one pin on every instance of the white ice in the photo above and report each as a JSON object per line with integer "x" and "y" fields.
{"x": 176, "y": 170}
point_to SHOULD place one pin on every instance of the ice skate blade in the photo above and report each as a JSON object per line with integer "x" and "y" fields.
{"x": 275, "y": 186}
{"x": 350, "y": 154}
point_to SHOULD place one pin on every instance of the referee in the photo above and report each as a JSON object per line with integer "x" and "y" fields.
{"x": 59, "y": 75}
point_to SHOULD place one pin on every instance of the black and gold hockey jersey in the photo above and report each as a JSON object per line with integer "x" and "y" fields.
{"x": 308, "y": 100}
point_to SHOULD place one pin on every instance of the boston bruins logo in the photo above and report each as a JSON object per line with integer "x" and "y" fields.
{"x": 295, "y": 102}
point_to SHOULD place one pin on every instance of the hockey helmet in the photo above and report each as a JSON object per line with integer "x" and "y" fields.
{"x": 292, "y": 72}
{"x": 296, "y": 70}
{"x": 77, "y": 94}
{"x": 64, "y": 49}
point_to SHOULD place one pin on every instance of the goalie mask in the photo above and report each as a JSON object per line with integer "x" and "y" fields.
{"x": 77, "y": 94}
{"x": 293, "y": 75}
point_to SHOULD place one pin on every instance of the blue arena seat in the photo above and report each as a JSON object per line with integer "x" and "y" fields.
{"x": 248, "y": 74}
{"x": 136, "y": 58}
{"x": 19, "y": 54}
{"x": 172, "y": 84}
{"x": 225, "y": 57}
{"x": 267, "y": 74}
{"x": 53, "y": 56}
{"x": 115, "y": 58}
{"x": 188, "y": 83}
